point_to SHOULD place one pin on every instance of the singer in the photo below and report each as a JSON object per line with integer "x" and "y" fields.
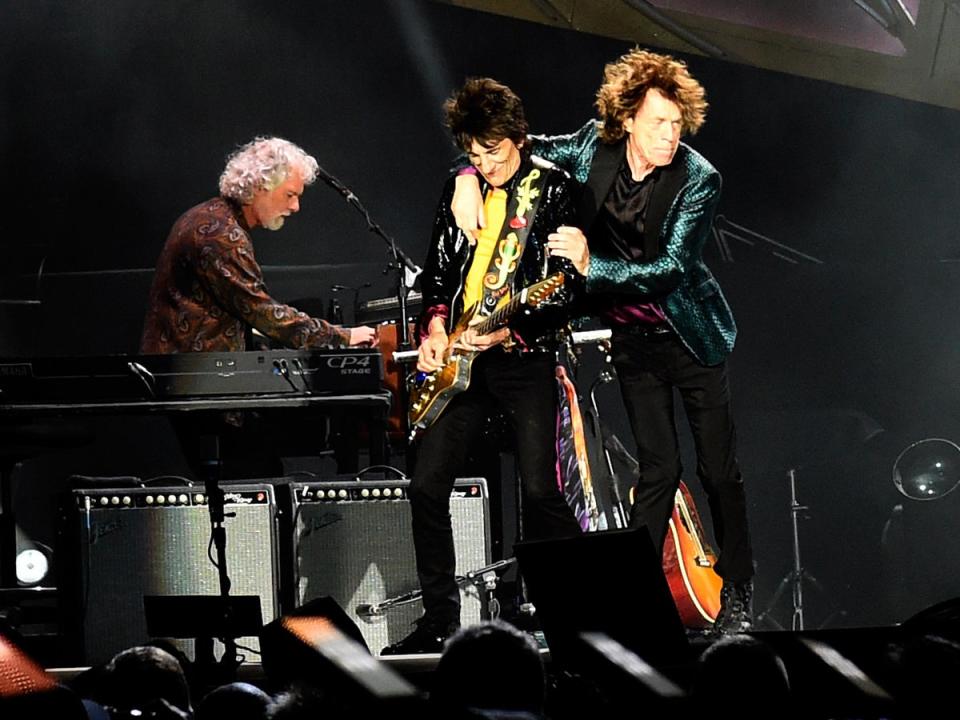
{"x": 208, "y": 289}
{"x": 513, "y": 367}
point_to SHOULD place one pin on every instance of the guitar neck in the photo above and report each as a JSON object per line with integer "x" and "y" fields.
{"x": 501, "y": 316}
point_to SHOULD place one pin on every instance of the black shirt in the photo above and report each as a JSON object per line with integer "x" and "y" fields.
{"x": 621, "y": 218}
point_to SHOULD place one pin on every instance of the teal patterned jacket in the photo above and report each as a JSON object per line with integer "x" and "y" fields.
{"x": 677, "y": 226}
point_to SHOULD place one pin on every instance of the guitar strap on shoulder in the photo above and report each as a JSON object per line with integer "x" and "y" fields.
{"x": 521, "y": 211}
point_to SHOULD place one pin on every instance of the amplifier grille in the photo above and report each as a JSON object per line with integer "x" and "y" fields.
{"x": 353, "y": 542}
{"x": 156, "y": 541}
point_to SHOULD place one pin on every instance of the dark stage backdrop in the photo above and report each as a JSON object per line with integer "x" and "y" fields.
{"x": 839, "y": 254}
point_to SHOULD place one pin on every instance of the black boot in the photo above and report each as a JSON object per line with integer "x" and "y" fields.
{"x": 736, "y": 608}
{"x": 428, "y": 637}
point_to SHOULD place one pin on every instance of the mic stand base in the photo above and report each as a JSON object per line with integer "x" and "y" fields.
{"x": 797, "y": 575}
{"x": 228, "y": 664}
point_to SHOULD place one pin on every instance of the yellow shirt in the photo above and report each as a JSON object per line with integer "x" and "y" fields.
{"x": 495, "y": 210}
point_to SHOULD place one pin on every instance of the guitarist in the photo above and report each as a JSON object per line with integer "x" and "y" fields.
{"x": 525, "y": 200}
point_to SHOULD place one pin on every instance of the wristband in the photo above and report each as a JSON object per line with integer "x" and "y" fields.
{"x": 468, "y": 170}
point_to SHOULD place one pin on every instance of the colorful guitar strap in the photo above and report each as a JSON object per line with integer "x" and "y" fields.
{"x": 521, "y": 210}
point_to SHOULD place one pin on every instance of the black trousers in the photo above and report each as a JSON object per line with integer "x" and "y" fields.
{"x": 649, "y": 369}
{"x": 524, "y": 388}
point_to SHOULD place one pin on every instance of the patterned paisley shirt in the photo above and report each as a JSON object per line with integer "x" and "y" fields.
{"x": 208, "y": 288}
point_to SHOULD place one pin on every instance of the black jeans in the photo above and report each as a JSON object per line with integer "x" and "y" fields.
{"x": 524, "y": 387}
{"x": 649, "y": 368}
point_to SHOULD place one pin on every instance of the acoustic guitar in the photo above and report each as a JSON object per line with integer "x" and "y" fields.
{"x": 430, "y": 393}
{"x": 688, "y": 564}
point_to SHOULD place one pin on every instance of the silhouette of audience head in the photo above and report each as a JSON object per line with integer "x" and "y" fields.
{"x": 923, "y": 671}
{"x": 744, "y": 676}
{"x": 492, "y": 666}
{"x": 309, "y": 703}
{"x": 233, "y": 701}
{"x": 59, "y": 702}
{"x": 142, "y": 678}
{"x": 27, "y": 690}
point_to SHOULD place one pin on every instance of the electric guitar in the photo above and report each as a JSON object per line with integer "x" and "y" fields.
{"x": 430, "y": 393}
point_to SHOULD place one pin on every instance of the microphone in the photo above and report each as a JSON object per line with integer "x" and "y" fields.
{"x": 366, "y": 610}
{"x": 336, "y": 184}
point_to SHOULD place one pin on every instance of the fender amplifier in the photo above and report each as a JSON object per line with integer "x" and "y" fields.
{"x": 352, "y": 541}
{"x": 137, "y": 543}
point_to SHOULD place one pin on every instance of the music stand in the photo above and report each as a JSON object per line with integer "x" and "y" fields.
{"x": 610, "y": 582}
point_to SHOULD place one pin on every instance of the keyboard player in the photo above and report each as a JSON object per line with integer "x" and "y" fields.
{"x": 208, "y": 288}
{"x": 208, "y": 291}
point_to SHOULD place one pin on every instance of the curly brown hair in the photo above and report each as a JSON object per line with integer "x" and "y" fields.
{"x": 486, "y": 111}
{"x": 625, "y": 84}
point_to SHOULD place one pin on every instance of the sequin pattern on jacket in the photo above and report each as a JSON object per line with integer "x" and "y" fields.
{"x": 450, "y": 252}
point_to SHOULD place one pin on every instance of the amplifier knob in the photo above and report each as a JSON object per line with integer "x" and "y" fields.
{"x": 184, "y": 499}
{"x": 376, "y": 492}
{"x": 104, "y": 500}
{"x": 148, "y": 499}
{"x": 127, "y": 500}
{"x": 172, "y": 499}
{"x": 161, "y": 500}
{"x": 115, "y": 500}
{"x": 198, "y": 498}
{"x": 342, "y": 494}
{"x": 365, "y": 493}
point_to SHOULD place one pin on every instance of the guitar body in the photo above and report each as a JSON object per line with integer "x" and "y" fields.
{"x": 430, "y": 393}
{"x": 688, "y": 564}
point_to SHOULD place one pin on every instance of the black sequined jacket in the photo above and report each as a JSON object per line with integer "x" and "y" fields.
{"x": 450, "y": 253}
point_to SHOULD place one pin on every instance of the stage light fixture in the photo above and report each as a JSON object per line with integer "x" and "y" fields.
{"x": 33, "y": 565}
{"x": 927, "y": 469}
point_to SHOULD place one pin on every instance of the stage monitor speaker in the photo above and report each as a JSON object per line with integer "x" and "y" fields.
{"x": 609, "y": 582}
{"x": 145, "y": 542}
{"x": 352, "y": 541}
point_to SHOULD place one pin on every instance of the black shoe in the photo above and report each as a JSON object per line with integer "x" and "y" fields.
{"x": 736, "y": 608}
{"x": 428, "y": 637}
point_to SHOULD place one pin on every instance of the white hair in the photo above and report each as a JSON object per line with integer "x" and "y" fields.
{"x": 262, "y": 164}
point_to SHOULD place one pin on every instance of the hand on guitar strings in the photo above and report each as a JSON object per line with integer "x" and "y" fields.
{"x": 470, "y": 341}
{"x": 431, "y": 355}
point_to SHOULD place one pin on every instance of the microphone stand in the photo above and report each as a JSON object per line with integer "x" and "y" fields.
{"x": 407, "y": 273}
{"x": 407, "y": 270}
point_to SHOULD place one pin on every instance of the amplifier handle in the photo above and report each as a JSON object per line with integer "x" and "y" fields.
{"x": 371, "y": 468}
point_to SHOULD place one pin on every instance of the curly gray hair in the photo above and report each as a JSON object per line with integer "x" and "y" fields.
{"x": 264, "y": 163}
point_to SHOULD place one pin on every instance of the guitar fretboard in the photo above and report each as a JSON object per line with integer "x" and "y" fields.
{"x": 499, "y": 317}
